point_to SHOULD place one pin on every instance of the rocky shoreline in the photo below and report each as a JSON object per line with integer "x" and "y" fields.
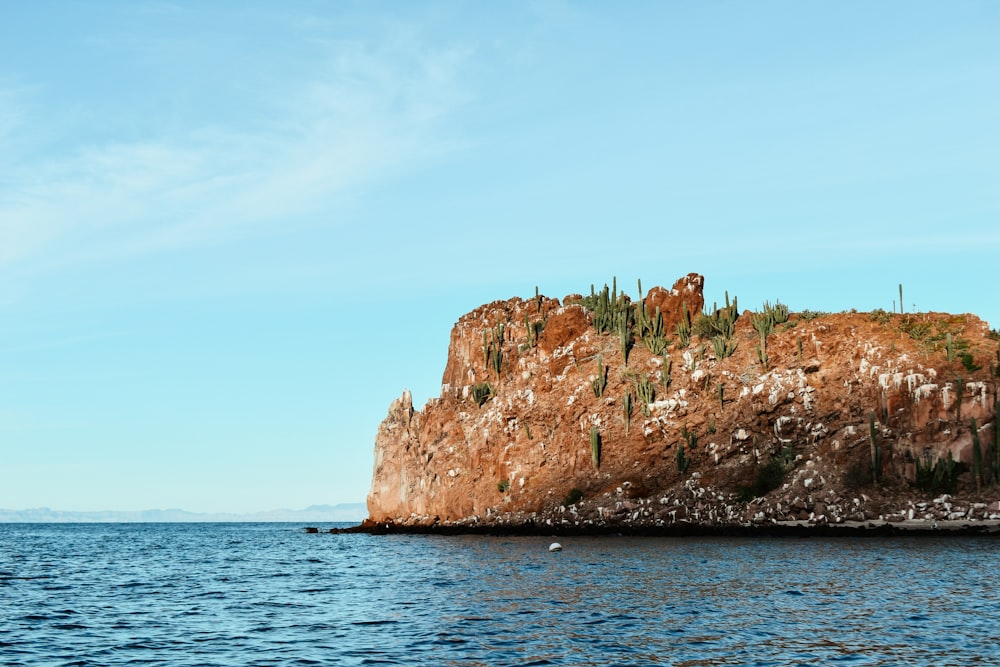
{"x": 795, "y": 529}
{"x": 713, "y": 514}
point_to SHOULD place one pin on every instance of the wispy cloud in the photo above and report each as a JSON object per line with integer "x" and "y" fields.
{"x": 361, "y": 117}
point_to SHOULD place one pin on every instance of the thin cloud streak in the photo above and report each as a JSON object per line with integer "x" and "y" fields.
{"x": 367, "y": 119}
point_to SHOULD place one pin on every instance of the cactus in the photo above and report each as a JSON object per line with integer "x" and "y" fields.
{"x": 493, "y": 348}
{"x": 762, "y": 353}
{"x": 977, "y": 456}
{"x": 900, "y": 298}
{"x": 689, "y": 436}
{"x": 722, "y": 400}
{"x": 601, "y": 381}
{"x": 682, "y": 461}
{"x": 724, "y": 347}
{"x": 538, "y": 300}
{"x": 717, "y": 321}
{"x": 949, "y": 348}
{"x": 625, "y": 341}
{"x": 496, "y": 360}
{"x": 800, "y": 349}
{"x": 534, "y": 330}
{"x": 665, "y": 373}
{"x": 779, "y": 313}
{"x": 651, "y": 330}
{"x": 646, "y": 393}
{"x": 595, "y": 447}
{"x": 502, "y": 486}
{"x": 655, "y": 344}
{"x": 627, "y": 409}
{"x": 684, "y": 326}
{"x": 762, "y": 322}
{"x": 876, "y": 451}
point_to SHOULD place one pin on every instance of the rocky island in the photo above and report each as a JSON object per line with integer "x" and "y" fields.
{"x": 603, "y": 413}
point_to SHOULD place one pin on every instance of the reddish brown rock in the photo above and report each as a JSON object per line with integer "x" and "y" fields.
{"x": 527, "y": 449}
{"x": 687, "y": 291}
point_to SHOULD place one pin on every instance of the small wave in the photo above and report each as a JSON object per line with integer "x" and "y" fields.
{"x": 382, "y": 622}
{"x": 70, "y": 626}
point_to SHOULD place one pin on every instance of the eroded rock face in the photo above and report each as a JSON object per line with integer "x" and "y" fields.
{"x": 687, "y": 291}
{"x": 525, "y": 452}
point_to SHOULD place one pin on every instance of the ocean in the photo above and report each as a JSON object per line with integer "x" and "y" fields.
{"x": 271, "y": 594}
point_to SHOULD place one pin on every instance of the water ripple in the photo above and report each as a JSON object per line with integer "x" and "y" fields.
{"x": 265, "y": 594}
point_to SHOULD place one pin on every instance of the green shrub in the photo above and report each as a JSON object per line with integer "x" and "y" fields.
{"x": 481, "y": 392}
{"x": 717, "y": 321}
{"x": 503, "y": 486}
{"x": 968, "y": 362}
{"x": 879, "y": 315}
{"x": 937, "y": 476}
{"x": 914, "y": 328}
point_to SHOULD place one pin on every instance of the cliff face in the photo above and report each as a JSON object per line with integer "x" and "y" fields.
{"x": 521, "y": 433}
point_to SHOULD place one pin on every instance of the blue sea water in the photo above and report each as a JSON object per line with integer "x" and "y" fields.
{"x": 271, "y": 594}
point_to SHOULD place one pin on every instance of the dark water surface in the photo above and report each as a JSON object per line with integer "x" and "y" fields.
{"x": 270, "y": 594}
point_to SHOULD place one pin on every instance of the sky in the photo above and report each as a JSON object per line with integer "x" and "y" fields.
{"x": 231, "y": 233}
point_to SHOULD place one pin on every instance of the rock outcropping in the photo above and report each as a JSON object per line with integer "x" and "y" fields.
{"x": 824, "y": 418}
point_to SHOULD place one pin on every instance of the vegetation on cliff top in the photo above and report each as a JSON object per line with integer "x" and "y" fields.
{"x": 634, "y": 323}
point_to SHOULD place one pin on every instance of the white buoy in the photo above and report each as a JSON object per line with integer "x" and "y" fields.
{"x": 555, "y": 546}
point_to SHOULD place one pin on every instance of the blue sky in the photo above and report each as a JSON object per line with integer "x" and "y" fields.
{"x": 232, "y": 233}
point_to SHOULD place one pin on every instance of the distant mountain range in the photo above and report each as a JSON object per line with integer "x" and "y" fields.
{"x": 342, "y": 513}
